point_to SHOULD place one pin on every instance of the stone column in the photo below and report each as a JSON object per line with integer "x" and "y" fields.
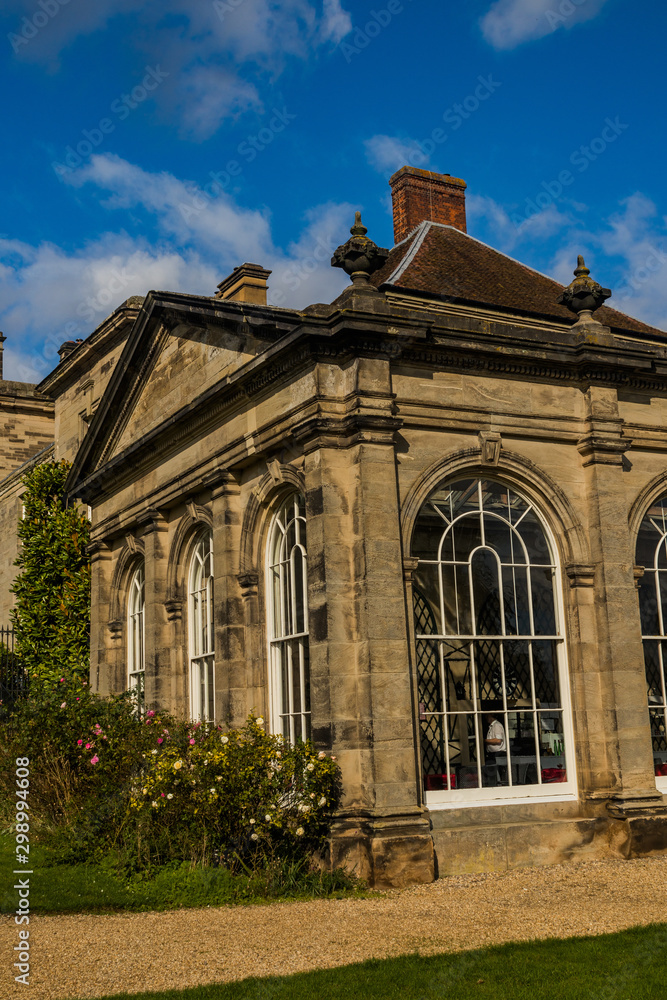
{"x": 612, "y": 705}
{"x": 361, "y": 697}
{"x": 158, "y": 676}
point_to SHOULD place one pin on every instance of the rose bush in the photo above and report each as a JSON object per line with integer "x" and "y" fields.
{"x": 157, "y": 790}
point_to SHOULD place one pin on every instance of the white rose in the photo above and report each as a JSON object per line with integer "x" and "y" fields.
{"x": 178, "y": 765}
{"x": 170, "y": 796}
{"x": 260, "y": 721}
{"x": 299, "y": 831}
{"x": 212, "y": 790}
{"x": 224, "y": 739}
{"x": 310, "y": 767}
{"x": 154, "y": 804}
{"x": 153, "y": 751}
{"x": 251, "y": 821}
{"x": 253, "y": 836}
{"x": 321, "y": 755}
{"x": 267, "y": 818}
{"x": 322, "y": 802}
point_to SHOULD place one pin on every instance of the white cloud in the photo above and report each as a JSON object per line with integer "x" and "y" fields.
{"x": 218, "y": 54}
{"x": 387, "y": 153}
{"x": 626, "y": 252}
{"x": 510, "y": 23}
{"x": 203, "y": 235}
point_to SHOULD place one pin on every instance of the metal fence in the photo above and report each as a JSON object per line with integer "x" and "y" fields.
{"x": 13, "y": 678}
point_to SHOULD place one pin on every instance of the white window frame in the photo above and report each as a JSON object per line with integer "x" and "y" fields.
{"x": 661, "y": 639}
{"x": 484, "y": 796}
{"x": 201, "y": 637}
{"x": 289, "y": 672}
{"x": 136, "y": 633}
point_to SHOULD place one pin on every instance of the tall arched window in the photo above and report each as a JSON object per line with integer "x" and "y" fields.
{"x": 201, "y": 637}
{"x": 652, "y": 555}
{"x": 288, "y": 621}
{"x": 136, "y": 604}
{"x": 493, "y": 698}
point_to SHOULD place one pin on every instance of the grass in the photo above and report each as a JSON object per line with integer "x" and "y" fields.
{"x": 626, "y": 966}
{"x": 101, "y": 888}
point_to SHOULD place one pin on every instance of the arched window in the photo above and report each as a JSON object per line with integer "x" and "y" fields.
{"x": 288, "y": 621}
{"x": 493, "y": 698}
{"x": 652, "y": 555}
{"x": 136, "y": 604}
{"x": 201, "y": 638}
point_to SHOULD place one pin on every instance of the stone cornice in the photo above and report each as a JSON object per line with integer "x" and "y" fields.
{"x": 445, "y": 342}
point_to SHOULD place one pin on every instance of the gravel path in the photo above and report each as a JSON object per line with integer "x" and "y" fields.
{"x": 90, "y": 956}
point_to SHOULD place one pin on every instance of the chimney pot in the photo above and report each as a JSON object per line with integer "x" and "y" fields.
{"x": 246, "y": 283}
{"x": 421, "y": 196}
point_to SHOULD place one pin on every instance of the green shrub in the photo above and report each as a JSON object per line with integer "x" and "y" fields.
{"x": 52, "y": 614}
{"x": 157, "y": 790}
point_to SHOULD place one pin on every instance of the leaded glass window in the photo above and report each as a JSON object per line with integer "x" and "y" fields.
{"x": 652, "y": 555}
{"x": 493, "y": 700}
{"x": 287, "y": 586}
{"x": 201, "y": 637}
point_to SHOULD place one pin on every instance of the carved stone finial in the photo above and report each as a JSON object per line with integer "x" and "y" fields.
{"x": 359, "y": 257}
{"x": 583, "y": 295}
{"x": 358, "y": 229}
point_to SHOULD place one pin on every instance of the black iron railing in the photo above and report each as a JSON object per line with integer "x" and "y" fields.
{"x": 13, "y": 678}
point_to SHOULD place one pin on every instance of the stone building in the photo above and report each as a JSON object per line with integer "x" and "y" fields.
{"x": 424, "y": 525}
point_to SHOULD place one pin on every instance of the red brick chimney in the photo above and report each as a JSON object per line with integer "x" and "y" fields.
{"x": 420, "y": 195}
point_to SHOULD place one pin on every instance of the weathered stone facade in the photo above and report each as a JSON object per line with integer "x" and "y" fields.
{"x": 219, "y": 409}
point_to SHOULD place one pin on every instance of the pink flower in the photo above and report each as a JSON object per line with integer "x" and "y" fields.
{"x": 64, "y": 705}
{"x": 150, "y": 714}
{"x": 162, "y": 794}
{"x": 85, "y": 683}
{"x": 62, "y": 680}
{"x": 79, "y": 742}
{"x": 78, "y": 699}
{"x": 94, "y": 759}
{"x": 159, "y": 739}
{"x": 88, "y": 746}
{"x": 192, "y": 743}
{"x": 104, "y": 737}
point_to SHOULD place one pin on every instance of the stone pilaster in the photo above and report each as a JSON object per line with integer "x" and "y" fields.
{"x": 618, "y": 763}
{"x": 102, "y": 679}
{"x": 235, "y": 689}
{"x": 361, "y": 695}
{"x": 158, "y": 676}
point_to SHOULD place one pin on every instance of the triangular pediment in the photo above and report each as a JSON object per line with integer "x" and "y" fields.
{"x": 175, "y": 355}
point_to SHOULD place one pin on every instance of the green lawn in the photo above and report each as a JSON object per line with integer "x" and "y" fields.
{"x": 631, "y": 965}
{"x": 88, "y": 888}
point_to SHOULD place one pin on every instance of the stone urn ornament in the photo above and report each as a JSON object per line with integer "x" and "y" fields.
{"x": 583, "y": 295}
{"x": 359, "y": 257}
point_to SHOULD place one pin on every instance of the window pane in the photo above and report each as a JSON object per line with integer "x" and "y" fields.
{"x": 287, "y": 585}
{"x": 487, "y": 669}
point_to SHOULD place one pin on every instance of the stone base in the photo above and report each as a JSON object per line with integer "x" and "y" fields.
{"x": 386, "y": 851}
{"x": 639, "y": 825}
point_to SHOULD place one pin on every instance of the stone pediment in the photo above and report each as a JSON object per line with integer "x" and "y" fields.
{"x": 175, "y": 354}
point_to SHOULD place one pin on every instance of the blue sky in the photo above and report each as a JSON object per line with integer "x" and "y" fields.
{"x": 159, "y": 143}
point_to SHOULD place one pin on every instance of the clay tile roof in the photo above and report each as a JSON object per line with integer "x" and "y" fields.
{"x": 443, "y": 261}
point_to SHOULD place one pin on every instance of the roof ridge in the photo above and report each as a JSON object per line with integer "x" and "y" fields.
{"x": 417, "y": 240}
